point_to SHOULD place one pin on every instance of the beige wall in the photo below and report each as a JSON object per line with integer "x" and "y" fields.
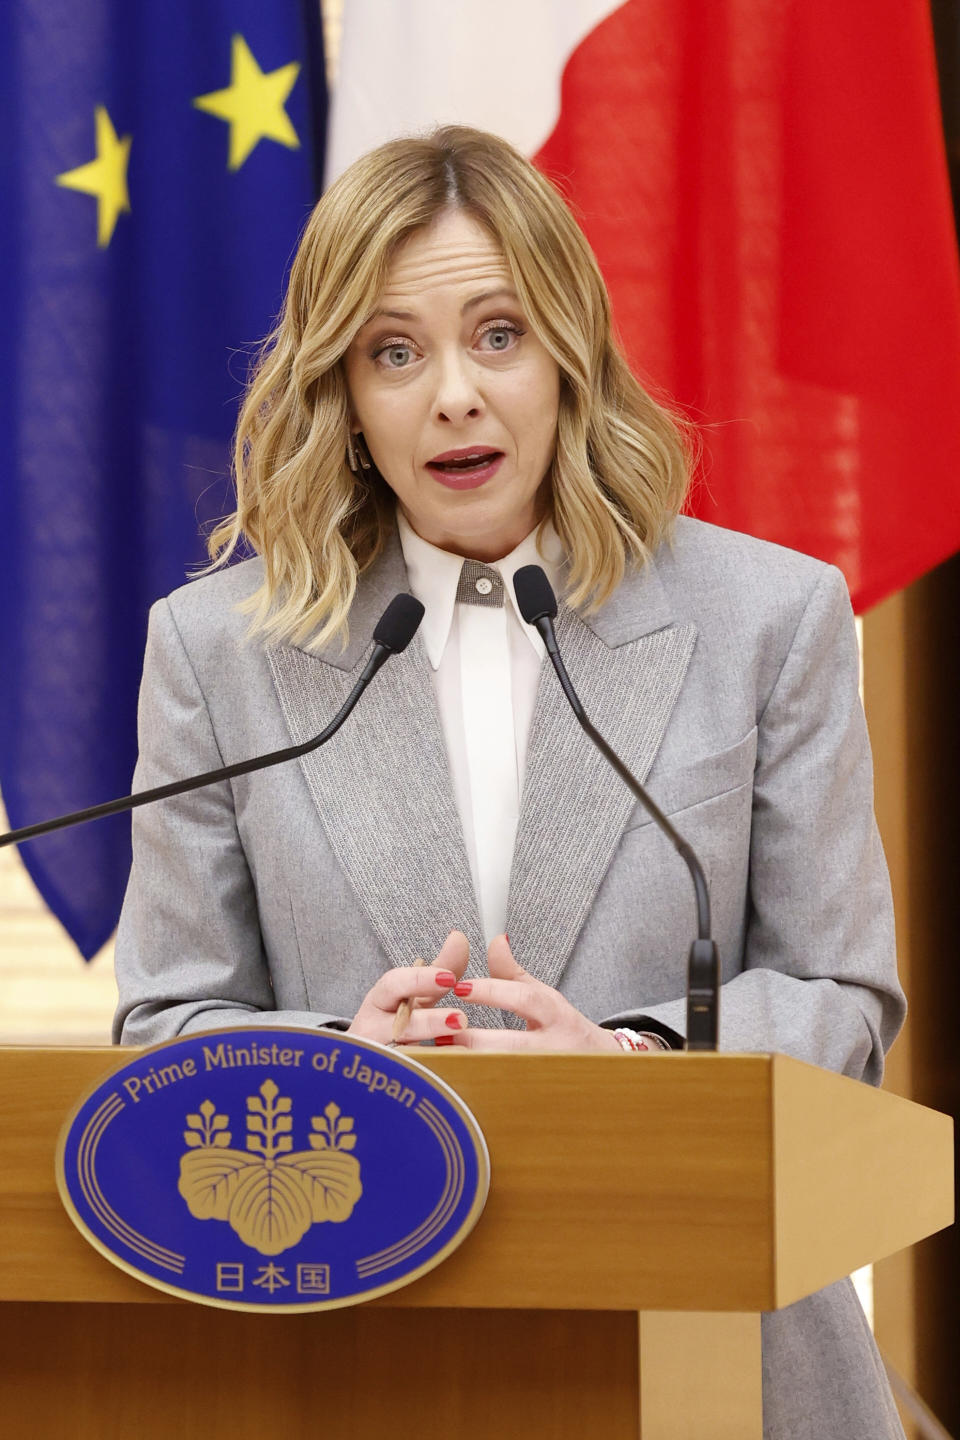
{"x": 48, "y": 995}
{"x": 912, "y": 679}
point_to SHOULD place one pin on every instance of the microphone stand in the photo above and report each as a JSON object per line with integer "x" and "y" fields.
{"x": 703, "y": 970}
{"x": 395, "y": 629}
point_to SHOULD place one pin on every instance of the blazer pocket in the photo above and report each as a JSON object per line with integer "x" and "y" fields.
{"x": 700, "y": 781}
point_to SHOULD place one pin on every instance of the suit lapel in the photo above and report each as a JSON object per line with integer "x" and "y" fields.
{"x": 382, "y": 785}
{"x": 627, "y": 665}
{"x": 384, "y": 795}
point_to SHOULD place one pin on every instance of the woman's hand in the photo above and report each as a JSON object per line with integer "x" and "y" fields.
{"x": 552, "y": 1022}
{"x": 424, "y": 985}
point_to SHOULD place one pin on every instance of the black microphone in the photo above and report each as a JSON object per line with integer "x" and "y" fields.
{"x": 394, "y": 631}
{"x": 538, "y": 606}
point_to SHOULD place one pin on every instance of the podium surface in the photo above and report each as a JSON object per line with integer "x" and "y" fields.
{"x": 641, "y": 1210}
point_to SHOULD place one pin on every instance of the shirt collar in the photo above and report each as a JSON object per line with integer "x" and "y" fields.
{"x": 434, "y": 575}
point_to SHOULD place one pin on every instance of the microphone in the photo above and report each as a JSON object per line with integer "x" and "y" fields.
{"x": 538, "y": 606}
{"x": 394, "y": 631}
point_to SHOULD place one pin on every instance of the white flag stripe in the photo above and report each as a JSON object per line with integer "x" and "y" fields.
{"x": 409, "y": 65}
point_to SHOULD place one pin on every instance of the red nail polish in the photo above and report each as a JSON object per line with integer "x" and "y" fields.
{"x": 446, "y": 978}
{"x": 443, "y": 1040}
{"x": 463, "y": 987}
{"x": 453, "y": 1022}
{"x": 506, "y": 937}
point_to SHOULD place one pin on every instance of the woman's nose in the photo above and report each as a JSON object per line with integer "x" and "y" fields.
{"x": 458, "y": 397}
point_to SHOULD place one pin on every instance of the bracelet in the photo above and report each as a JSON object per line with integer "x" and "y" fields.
{"x": 658, "y": 1041}
{"x": 630, "y": 1040}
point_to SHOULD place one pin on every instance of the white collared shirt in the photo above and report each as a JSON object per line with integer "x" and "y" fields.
{"x": 486, "y": 670}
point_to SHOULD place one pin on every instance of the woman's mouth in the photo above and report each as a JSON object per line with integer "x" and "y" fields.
{"x": 465, "y": 469}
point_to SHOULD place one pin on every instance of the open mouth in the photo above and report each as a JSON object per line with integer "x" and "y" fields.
{"x": 465, "y": 469}
{"x": 461, "y": 462}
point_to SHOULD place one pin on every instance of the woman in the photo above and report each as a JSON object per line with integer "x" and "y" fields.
{"x": 441, "y": 403}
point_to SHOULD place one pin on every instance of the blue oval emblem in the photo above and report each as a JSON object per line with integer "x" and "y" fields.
{"x": 273, "y": 1169}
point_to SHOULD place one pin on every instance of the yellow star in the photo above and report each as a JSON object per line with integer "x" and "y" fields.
{"x": 105, "y": 177}
{"x": 252, "y": 104}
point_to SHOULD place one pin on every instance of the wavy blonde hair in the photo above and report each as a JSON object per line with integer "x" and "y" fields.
{"x": 622, "y": 462}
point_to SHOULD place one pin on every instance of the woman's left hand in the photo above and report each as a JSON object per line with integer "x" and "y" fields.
{"x": 552, "y": 1022}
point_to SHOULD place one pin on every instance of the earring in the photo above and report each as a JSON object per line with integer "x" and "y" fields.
{"x": 362, "y": 453}
{"x": 358, "y": 456}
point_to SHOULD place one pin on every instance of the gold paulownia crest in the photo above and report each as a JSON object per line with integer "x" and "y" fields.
{"x": 270, "y": 1193}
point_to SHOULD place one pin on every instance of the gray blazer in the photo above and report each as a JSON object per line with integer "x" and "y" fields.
{"x": 725, "y": 675}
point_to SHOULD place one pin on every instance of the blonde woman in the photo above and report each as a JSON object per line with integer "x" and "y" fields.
{"x": 442, "y": 402}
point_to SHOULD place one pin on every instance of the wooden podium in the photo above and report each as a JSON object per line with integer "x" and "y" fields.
{"x": 643, "y": 1211}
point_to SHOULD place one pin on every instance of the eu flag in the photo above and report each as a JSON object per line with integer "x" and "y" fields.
{"x": 160, "y": 158}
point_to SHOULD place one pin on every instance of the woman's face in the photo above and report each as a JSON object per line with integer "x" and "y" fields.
{"x": 456, "y": 397}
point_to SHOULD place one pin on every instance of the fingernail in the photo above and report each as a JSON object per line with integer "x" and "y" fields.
{"x": 446, "y": 978}
{"x": 443, "y": 1040}
{"x": 463, "y": 987}
{"x": 454, "y": 1022}
{"x": 506, "y": 937}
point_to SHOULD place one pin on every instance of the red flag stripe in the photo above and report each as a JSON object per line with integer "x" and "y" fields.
{"x": 766, "y": 190}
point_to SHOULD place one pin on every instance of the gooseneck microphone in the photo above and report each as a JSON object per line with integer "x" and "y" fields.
{"x": 538, "y": 606}
{"x": 394, "y": 631}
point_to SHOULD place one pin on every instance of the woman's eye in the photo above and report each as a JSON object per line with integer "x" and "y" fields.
{"x": 394, "y": 355}
{"x": 500, "y": 335}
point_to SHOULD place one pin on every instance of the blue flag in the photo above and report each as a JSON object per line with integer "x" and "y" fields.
{"x": 160, "y": 159}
